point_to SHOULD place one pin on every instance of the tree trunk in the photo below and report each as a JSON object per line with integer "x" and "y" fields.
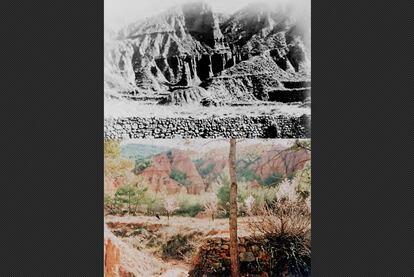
{"x": 234, "y": 252}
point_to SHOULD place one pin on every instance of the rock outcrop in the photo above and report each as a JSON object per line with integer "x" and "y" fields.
{"x": 280, "y": 161}
{"x": 239, "y": 57}
{"x": 158, "y": 174}
{"x": 182, "y": 162}
{"x": 186, "y": 95}
{"x": 121, "y": 260}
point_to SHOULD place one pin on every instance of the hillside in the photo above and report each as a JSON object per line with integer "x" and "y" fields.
{"x": 171, "y": 171}
{"x": 174, "y": 170}
{"x": 190, "y": 54}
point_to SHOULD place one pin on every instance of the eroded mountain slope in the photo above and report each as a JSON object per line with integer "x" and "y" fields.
{"x": 240, "y": 57}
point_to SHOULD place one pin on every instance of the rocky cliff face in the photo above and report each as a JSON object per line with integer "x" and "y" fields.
{"x": 262, "y": 160}
{"x": 235, "y": 58}
{"x": 121, "y": 260}
{"x": 281, "y": 162}
{"x": 158, "y": 174}
{"x": 182, "y": 162}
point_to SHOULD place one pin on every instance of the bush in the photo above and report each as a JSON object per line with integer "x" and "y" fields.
{"x": 286, "y": 228}
{"x": 206, "y": 170}
{"x": 181, "y": 246}
{"x": 303, "y": 180}
{"x": 190, "y": 210}
{"x": 247, "y": 175}
{"x": 179, "y": 176}
{"x": 273, "y": 180}
{"x": 264, "y": 197}
{"x": 153, "y": 203}
{"x": 140, "y": 165}
{"x": 129, "y": 197}
{"x": 190, "y": 205}
{"x": 223, "y": 195}
{"x": 110, "y": 205}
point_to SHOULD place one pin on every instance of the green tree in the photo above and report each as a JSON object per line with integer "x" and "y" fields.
{"x": 111, "y": 148}
{"x": 206, "y": 170}
{"x": 111, "y": 206}
{"x": 247, "y": 175}
{"x": 273, "y": 180}
{"x": 141, "y": 164}
{"x": 179, "y": 176}
{"x": 113, "y": 164}
{"x": 130, "y": 196}
{"x": 223, "y": 194}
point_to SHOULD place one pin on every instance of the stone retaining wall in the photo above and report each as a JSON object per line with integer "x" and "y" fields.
{"x": 213, "y": 259}
{"x": 213, "y": 127}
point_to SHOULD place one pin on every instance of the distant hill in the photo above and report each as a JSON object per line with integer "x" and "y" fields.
{"x": 135, "y": 151}
{"x": 197, "y": 171}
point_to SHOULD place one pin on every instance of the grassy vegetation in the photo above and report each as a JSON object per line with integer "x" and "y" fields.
{"x": 179, "y": 176}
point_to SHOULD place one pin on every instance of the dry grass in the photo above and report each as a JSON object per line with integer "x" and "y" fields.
{"x": 180, "y": 237}
{"x": 285, "y": 227}
{"x": 134, "y": 261}
{"x": 179, "y": 224}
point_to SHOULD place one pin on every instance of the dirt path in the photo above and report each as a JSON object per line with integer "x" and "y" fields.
{"x": 175, "y": 269}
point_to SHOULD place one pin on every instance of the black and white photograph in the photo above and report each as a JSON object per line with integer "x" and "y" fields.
{"x": 207, "y": 69}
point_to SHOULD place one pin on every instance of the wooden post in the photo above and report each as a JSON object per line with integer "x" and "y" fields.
{"x": 234, "y": 252}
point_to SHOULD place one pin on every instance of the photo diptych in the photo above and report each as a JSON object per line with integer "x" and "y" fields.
{"x": 207, "y": 138}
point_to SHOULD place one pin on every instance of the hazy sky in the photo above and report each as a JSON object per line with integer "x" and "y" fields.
{"x": 204, "y": 144}
{"x": 120, "y": 12}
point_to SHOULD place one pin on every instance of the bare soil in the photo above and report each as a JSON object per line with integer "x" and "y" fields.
{"x": 125, "y": 226}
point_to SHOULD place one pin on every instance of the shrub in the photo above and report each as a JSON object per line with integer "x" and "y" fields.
{"x": 154, "y": 204}
{"x": 264, "y": 196}
{"x": 190, "y": 205}
{"x": 273, "y": 180}
{"x": 110, "y": 205}
{"x": 285, "y": 226}
{"x": 190, "y": 210}
{"x": 140, "y": 165}
{"x": 170, "y": 206}
{"x": 179, "y": 176}
{"x": 303, "y": 180}
{"x": 204, "y": 171}
{"x": 223, "y": 195}
{"x": 181, "y": 246}
{"x": 129, "y": 197}
{"x": 210, "y": 205}
{"x": 247, "y": 175}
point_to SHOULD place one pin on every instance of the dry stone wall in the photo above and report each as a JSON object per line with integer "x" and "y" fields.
{"x": 213, "y": 258}
{"x": 237, "y": 127}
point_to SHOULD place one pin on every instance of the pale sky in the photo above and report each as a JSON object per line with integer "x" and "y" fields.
{"x": 121, "y": 12}
{"x": 205, "y": 144}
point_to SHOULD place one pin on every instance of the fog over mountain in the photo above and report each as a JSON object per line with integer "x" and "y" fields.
{"x": 122, "y": 12}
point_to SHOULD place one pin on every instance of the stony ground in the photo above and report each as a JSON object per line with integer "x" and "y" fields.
{"x": 125, "y": 108}
{"x": 175, "y": 225}
{"x": 218, "y": 227}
